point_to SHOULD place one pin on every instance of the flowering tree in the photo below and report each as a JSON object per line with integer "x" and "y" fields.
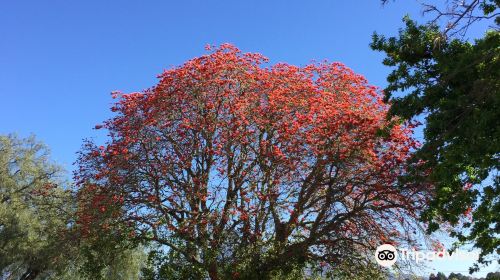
{"x": 241, "y": 168}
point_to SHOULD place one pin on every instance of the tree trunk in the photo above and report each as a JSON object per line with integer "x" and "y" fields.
{"x": 212, "y": 272}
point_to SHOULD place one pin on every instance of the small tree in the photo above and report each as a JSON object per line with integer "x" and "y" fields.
{"x": 253, "y": 169}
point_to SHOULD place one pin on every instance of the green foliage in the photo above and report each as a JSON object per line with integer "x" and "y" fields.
{"x": 369, "y": 271}
{"x": 170, "y": 265}
{"x": 459, "y": 276}
{"x": 38, "y": 236}
{"x": 125, "y": 264}
{"x": 109, "y": 258}
{"x": 489, "y": 7}
{"x": 454, "y": 85}
{"x": 33, "y": 209}
{"x": 493, "y": 276}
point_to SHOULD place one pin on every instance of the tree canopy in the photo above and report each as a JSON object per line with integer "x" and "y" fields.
{"x": 39, "y": 238}
{"x": 244, "y": 170}
{"x": 33, "y": 210}
{"x": 452, "y": 84}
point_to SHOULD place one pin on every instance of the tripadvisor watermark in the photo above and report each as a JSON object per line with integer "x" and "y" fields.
{"x": 386, "y": 255}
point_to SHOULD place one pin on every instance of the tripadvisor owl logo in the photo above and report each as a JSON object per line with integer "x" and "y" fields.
{"x": 386, "y": 255}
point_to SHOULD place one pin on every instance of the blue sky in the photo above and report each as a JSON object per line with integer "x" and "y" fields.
{"x": 59, "y": 60}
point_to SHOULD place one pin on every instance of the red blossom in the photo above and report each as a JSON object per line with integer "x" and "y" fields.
{"x": 223, "y": 146}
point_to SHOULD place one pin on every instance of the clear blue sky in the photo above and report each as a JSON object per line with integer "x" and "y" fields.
{"x": 59, "y": 60}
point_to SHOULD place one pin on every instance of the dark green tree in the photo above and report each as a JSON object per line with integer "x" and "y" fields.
{"x": 453, "y": 84}
{"x": 439, "y": 276}
{"x": 170, "y": 265}
{"x": 458, "y": 276}
{"x": 493, "y": 276}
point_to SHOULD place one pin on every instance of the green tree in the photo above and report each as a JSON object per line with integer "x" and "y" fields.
{"x": 441, "y": 276}
{"x": 458, "y": 276}
{"x": 34, "y": 210}
{"x": 38, "y": 236}
{"x": 454, "y": 85}
{"x": 171, "y": 265}
{"x": 493, "y": 276}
